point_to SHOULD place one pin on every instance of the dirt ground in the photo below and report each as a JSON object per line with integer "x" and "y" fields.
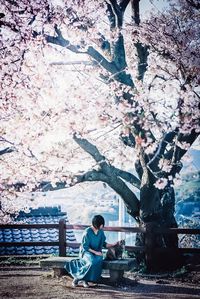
{"x": 32, "y": 282}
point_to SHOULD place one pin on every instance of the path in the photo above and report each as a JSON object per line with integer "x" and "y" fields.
{"x": 23, "y": 282}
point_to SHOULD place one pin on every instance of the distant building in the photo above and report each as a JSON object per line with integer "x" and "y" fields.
{"x": 41, "y": 215}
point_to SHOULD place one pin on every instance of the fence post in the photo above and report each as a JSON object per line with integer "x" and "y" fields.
{"x": 62, "y": 237}
{"x": 149, "y": 244}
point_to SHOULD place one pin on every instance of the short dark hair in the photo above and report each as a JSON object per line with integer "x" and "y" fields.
{"x": 97, "y": 221}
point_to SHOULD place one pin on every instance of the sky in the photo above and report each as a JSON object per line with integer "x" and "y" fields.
{"x": 146, "y": 5}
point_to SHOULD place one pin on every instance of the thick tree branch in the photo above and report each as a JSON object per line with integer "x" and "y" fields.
{"x": 119, "y": 56}
{"x": 123, "y": 5}
{"x": 112, "y": 175}
{"x": 116, "y": 13}
{"x": 167, "y": 139}
{"x": 109, "y": 66}
{"x": 116, "y": 184}
{"x": 142, "y": 52}
{"x": 7, "y": 150}
{"x": 127, "y": 176}
{"x": 116, "y": 67}
{"x": 130, "y": 199}
{"x": 111, "y": 15}
{"x": 176, "y": 153}
{"x": 89, "y": 176}
{"x": 12, "y": 2}
{"x": 107, "y": 169}
{"x": 93, "y": 53}
{"x": 104, "y": 44}
{"x": 135, "y": 11}
{"x": 60, "y": 41}
{"x": 89, "y": 148}
{"x": 194, "y": 3}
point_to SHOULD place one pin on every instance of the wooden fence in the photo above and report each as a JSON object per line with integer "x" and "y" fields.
{"x": 149, "y": 230}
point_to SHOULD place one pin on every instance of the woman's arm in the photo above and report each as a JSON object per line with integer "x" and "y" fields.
{"x": 95, "y": 252}
{"x": 107, "y": 245}
{"x": 110, "y": 245}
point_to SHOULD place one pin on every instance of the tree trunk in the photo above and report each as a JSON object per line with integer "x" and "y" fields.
{"x": 157, "y": 208}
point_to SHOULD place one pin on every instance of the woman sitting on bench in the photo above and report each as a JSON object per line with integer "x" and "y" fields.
{"x": 89, "y": 266}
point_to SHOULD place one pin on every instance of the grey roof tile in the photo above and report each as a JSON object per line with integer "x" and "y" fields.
{"x": 40, "y": 215}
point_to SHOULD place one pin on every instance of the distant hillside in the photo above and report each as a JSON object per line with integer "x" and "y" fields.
{"x": 188, "y": 200}
{"x": 191, "y": 161}
{"x": 196, "y": 158}
{"x": 189, "y": 190}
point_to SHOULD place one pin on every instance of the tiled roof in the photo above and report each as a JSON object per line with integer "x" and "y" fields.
{"x": 41, "y": 215}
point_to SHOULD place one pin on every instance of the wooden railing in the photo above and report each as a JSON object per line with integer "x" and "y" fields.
{"x": 149, "y": 230}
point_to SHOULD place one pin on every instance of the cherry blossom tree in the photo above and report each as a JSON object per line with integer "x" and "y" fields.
{"x": 91, "y": 93}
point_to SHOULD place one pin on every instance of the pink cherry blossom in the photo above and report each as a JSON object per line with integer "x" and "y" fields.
{"x": 61, "y": 75}
{"x": 161, "y": 183}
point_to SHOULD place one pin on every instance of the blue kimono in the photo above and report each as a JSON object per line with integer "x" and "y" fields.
{"x": 89, "y": 266}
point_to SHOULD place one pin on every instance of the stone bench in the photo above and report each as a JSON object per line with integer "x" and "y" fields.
{"x": 116, "y": 268}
